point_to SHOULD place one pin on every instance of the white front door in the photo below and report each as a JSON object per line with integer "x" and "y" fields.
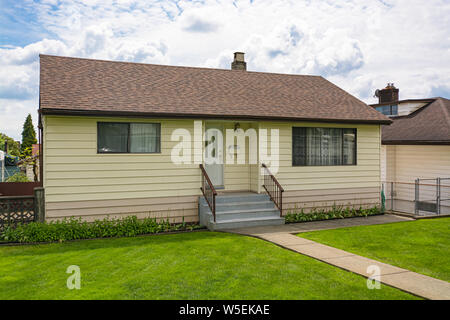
{"x": 213, "y": 155}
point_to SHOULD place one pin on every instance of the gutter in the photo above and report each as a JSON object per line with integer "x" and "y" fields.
{"x": 72, "y": 112}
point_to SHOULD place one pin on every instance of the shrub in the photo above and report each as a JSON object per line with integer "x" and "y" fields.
{"x": 74, "y": 229}
{"x": 18, "y": 177}
{"x": 335, "y": 213}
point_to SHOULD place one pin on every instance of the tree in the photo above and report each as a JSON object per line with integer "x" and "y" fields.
{"x": 28, "y": 137}
{"x": 13, "y": 146}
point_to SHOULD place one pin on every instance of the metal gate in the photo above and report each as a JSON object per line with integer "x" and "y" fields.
{"x": 421, "y": 197}
{"x": 431, "y": 195}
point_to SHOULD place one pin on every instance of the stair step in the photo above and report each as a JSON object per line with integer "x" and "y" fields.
{"x": 241, "y": 205}
{"x": 246, "y": 211}
{"x": 239, "y": 211}
{"x": 244, "y": 223}
{"x": 247, "y": 214}
{"x": 240, "y": 198}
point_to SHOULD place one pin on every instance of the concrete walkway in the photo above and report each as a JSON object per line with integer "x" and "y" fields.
{"x": 412, "y": 282}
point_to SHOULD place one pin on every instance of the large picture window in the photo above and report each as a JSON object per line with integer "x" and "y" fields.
{"x": 323, "y": 146}
{"x": 122, "y": 137}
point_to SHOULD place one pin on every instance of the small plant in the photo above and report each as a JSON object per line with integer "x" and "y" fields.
{"x": 75, "y": 229}
{"x": 336, "y": 212}
{"x": 18, "y": 177}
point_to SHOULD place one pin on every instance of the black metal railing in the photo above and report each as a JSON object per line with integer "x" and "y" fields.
{"x": 208, "y": 191}
{"x": 273, "y": 189}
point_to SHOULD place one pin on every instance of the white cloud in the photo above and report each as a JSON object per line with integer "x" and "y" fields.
{"x": 13, "y": 113}
{"x": 359, "y": 45}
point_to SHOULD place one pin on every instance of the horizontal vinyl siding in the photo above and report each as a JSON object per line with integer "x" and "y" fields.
{"x": 307, "y": 200}
{"x": 74, "y": 171}
{"x": 407, "y": 163}
{"x": 80, "y": 182}
{"x": 366, "y": 174}
{"x": 421, "y": 162}
{"x": 173, "y": 208}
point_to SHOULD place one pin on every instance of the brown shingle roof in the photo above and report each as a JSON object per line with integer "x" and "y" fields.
{"x": 88, "y": 86}
{"x": 428, "y": 125}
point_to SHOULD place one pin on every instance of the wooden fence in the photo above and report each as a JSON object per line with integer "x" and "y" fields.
{"x": 22, "y": 208}
{"x": 18, "y": 188}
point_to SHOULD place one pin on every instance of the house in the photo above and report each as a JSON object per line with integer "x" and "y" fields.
{"x": 124, "y": 138}
{"x": 416, "y": 146}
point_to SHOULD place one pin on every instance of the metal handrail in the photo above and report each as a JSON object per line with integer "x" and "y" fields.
{"x": 209, "y": 194}
{"x": 273, "y": 189}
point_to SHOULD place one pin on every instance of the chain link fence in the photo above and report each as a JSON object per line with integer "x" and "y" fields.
{"x": 422, "y": 198}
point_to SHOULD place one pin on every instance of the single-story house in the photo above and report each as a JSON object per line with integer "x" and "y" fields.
{"x": 123, "y": 138}
{"x": 415, "y": 146}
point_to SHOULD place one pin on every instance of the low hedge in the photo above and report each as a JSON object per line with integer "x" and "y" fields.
{"x": 75, "y": 229}
{"x": 334, "y": 213}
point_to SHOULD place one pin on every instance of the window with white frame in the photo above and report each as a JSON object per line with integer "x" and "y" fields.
{"x": 323, "y": 146}
{"x": 123, "y": 137}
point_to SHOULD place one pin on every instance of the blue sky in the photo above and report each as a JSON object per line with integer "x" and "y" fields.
{"x": 359, "y": 45}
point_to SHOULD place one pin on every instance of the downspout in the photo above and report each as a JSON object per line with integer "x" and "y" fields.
{"x": 41, "y": 134}
{"x": 41, "y": 147}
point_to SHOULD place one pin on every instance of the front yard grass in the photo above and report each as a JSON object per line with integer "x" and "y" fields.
{"x": 422, "y": 246}
{"x": 198, "y": 265}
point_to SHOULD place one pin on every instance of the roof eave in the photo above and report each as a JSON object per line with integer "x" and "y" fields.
{"x": 75, "y": 112}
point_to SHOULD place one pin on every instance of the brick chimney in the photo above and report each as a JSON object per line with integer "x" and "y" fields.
{"x": 239, "y": 62}
{"x": 388, "y": 94}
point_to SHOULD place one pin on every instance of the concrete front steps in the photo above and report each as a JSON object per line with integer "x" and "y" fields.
{"x": 239, "y": 210}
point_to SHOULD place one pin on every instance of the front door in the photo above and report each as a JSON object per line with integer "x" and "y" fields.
{"x": 214, "y": 154}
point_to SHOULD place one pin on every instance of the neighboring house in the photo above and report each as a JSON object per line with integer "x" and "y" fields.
{"x": 111, "y": 133}
{"x": 415, "y": 145}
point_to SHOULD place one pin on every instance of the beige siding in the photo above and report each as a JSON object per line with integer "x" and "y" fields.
{"x": 172, "y": 208}
{"x": 324, "y": 186}
{"x": 80, "y": 182}
{"x": 75, "y": 173}
{"x": 406, "y": 163}
{"x": 307, "y": 200}
{"x": 366, "y": 174}
{"x": 421, "y": 162}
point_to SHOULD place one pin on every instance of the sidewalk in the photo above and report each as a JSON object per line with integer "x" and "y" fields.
{"x": 412, "y": 282}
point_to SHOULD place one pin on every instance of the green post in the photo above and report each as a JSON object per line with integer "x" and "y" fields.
{"x": 39, "y": 204}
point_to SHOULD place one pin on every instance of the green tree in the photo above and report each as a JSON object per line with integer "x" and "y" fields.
{"x": 13, "y": 146}
{"x": 28, "y": 137}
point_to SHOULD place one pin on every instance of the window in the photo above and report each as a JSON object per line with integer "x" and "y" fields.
{"x": 122, "y": 137}
{"x": 323, "y": 146}
{"x": 391, "y": 110}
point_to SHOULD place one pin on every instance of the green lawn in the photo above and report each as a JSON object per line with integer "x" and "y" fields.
{"x": 422, "y": 246}
{"x": 198, "y": 265}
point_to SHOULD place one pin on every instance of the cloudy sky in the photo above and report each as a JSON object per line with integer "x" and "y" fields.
{"x": 360, "y": 45}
